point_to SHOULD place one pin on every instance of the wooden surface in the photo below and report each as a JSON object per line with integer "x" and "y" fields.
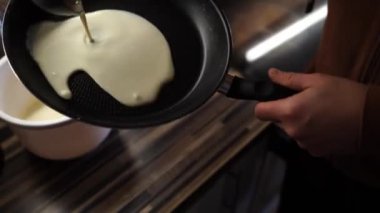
{"x": 142, "y": 170}
{"x": 134, "y": 170}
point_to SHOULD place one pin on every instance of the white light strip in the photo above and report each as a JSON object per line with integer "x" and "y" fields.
{"x": 286, "y": 34}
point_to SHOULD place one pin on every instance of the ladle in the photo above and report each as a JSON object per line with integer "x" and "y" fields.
{"x": 66, "y": 8}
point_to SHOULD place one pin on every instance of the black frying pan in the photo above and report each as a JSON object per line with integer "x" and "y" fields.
{"x": 200, "y": 40}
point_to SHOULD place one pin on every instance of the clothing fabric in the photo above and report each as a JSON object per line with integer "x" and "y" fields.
{"x": 350, "y": 48}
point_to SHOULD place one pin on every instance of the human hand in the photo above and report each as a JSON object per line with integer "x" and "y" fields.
{"x": 323, "y": 118}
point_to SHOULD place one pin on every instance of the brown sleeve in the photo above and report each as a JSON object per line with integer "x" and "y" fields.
{"x": 369, "y": 151}
{"x": 365, "y": 166}
{"x": 348, "y": 50}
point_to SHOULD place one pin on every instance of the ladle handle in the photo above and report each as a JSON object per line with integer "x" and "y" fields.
{"x": 261, "y": 90}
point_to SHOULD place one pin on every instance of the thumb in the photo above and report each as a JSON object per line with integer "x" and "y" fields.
{"x": 295, "y": 81}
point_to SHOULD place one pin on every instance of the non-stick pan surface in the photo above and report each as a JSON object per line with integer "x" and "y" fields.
{"x": 199, "y": 39}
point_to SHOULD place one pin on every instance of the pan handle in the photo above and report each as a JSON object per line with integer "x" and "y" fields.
{"x": 238, "y": 88}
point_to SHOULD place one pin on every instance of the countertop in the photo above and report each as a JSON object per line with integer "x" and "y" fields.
{"x": 140, "y": 170}
{"x": 134, "y": 170}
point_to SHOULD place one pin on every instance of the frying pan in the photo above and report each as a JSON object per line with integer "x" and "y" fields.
{"x": 200, "y": 41}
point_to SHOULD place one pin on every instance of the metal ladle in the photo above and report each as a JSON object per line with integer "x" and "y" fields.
{"x": 66, "y": 8}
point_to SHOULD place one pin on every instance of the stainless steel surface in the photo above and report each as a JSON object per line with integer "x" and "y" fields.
{"x": 274, "y": 33}
{"x": 253, "y": 20}
{"x": 290, "y": 48}
{"x": 286, "y": 34}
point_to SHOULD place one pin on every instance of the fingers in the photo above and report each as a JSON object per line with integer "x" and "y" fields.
{"x": 295, "y": 81}
{"x": 270, "y": 111}
{"x": 278, "y": 109}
